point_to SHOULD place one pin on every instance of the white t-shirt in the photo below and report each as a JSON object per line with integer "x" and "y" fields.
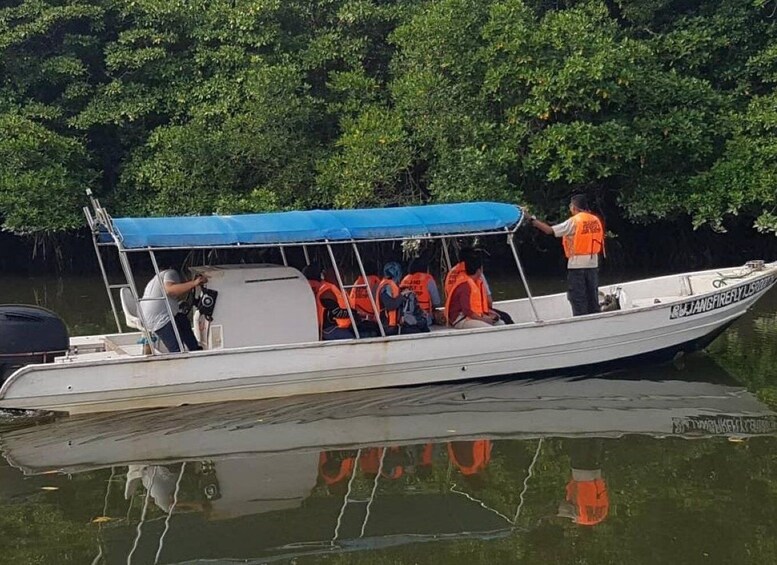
{"x": 154, "y": 311}
{"x": 567, "y": 229}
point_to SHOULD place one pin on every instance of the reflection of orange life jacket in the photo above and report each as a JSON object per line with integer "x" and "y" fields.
{"x": 345, "y": 471}
{"x": 427, "y": 455}
{"x": 478, "y": 298}
{"x": 481, "y": 456}
{"x": 369, "y": 461}
{"x": 453, "y": 277}
{"x": 359, "y": 297}
{"x": 588, "y": 238}
{"x": 329, "y": 287}
{"x": 391, "y": 315}
{"x": 419, "y": 284}
{"x": 590, "y": 499}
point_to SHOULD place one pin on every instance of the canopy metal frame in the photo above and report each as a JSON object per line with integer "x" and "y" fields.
{"x": 101, "y": 224}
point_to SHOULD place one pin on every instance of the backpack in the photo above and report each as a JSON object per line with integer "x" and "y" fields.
{"x": 410, "y": 313}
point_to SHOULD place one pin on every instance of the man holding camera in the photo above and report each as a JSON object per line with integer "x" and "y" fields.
{"x": 156, "y": 316}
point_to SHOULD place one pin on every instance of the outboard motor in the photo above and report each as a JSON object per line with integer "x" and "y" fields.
{"x": 29, "y": 334}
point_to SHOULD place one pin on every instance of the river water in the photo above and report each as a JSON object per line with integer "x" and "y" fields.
{"x": 671, "y": 464}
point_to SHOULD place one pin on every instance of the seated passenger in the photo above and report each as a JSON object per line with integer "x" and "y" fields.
{"x": 467, "y": 304}
{"x": 331, "y": 306}
{"x": 390, "y": 298}
{"x": 424, "y": 286}
{"x": 155, "y": 314}
{"x": 359, "y": 297}
{"x": 315, "y": 274}
{"x": 458, "y": 271}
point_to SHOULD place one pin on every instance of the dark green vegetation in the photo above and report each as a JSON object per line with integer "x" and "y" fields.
{"x": 659, "y": 109}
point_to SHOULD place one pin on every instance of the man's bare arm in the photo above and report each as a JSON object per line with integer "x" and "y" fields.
{"x": 542, "y": 226}
{"x": 177, "y": 290}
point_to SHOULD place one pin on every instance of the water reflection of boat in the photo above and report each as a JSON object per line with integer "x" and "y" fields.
{"x": 569, "y": 407}
{"x": 276, "y": 479}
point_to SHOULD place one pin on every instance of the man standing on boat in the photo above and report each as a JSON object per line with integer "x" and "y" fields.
{"x": 155, "y": 312}
{"x": 583, "y": 239}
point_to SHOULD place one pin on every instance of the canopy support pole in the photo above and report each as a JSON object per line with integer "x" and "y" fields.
{"x": 529, "y": 473}
{"x": 90, "y": 221}
{"x": 446, "y": 254}
{"x": 511, "y": 242}
{"x": 127, "y": 268}
{"x": 283, "y": 256}
{"x": 346, "y": 498}
{"x": 372, "y": 493}
{"x": 342, "y": 290}
{"x": 169, "y": 514}
{"x": 167, "y": 302}
{"x": 369, "y": 290}
{"x": 142, "y": 518}
{"x": 307, "y": 255}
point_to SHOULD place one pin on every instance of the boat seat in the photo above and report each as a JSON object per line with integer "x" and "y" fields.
{"x": 130, "y": 308}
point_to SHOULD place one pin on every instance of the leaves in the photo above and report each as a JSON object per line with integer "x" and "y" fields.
{"x": 659, "y": 109}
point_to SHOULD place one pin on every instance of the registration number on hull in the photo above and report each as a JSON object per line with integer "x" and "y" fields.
{"x": 722, "y": 424}
{"x": 720, "y": 299}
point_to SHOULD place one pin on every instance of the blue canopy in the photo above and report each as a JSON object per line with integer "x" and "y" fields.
{"x": 315, "y": 225}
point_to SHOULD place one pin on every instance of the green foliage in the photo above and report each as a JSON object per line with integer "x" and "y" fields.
{"x": 744, "y": 179}
{"x": 42, "y": 177}
{"x": 374, "y": 157}
{"x": 661, "y": 108}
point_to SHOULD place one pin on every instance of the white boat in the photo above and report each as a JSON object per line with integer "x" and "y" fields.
{"x": 262, "y": 341}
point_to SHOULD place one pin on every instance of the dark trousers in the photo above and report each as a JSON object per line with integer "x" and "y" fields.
{"x": 583, "y": 291}
{"x": 335, "y": 332}
{"x": 167, "y": 334}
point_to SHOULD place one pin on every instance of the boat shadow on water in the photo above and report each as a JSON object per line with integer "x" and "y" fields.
{"x": 277, "y": 479}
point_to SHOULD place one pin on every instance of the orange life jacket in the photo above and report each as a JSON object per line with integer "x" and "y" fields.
{"x": 419, "y": 284}
{"x": 478, "y": 297}
{"x": 453, "y": 277}
{"x": 391, "y": 315}
{"x": 481, "y": 456}
{"x": 590, "y": 499}
{"x": 359, "y": 297}
{"x": 588, "y": 238}
{"x": 369, "y": 461}
{"x": 329, "y": 287}
{"x": 345, "y": 471}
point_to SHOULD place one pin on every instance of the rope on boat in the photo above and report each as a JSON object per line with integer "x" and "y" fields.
{"x": 720, "y": 282}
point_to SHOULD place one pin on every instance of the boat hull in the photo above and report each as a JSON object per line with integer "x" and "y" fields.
{"x": 604, "y": 340}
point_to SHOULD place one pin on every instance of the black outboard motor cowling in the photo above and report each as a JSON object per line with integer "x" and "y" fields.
{"x": 29, "y": 334}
